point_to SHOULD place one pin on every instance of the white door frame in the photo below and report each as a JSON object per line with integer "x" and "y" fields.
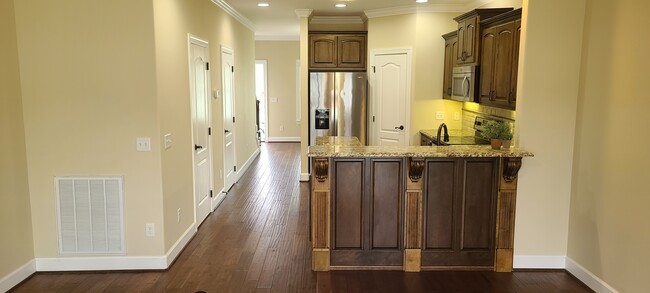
{"x": 266, "y": 97}
{"x": 407, "y": 123}
{"x": 194, "y": 40}
{"x": 227, "y": 184}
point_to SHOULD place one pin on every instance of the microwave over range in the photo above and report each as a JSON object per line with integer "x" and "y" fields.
{"x": 464, "y": 83}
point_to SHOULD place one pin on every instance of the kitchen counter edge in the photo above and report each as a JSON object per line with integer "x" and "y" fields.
{"x": 415, "y": 151}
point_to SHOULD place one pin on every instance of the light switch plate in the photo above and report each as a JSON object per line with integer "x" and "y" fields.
{"x": 168, "y": 140}
{"x": 143, "y": 144}
{"x": 274, "y": 99}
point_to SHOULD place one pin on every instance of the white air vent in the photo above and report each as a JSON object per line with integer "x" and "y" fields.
{"x": 90, "y": 215}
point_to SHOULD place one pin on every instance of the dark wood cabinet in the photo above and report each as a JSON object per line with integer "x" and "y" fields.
{"x": 468, "y": 33}
{"x": 451, "y": 47}
{"x": 459, "y": 205}
{"x": 499, "y": 60}
{"x": 367, "y": 207}
{"x": 337, "y": 51}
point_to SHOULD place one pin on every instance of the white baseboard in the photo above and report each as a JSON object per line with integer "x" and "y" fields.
{"x": 539, "y": 262}
{"x": 111, "y": 263}
{"x": 14, "y": 278}
{"x": 283, "y": 139}
{"x": 304, "y": 177}
{"x": 101, "y": 263}
{"x": 180, "y": 244}
{"x": 587, "y": 277}
{"x": 242, "y": 170}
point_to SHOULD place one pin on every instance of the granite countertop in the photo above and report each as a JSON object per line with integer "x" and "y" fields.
{"x": 414, "y": 151}
{"x": 337, "y": 141}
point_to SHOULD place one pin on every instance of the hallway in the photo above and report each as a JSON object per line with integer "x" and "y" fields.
{"x": 257, "y": 241}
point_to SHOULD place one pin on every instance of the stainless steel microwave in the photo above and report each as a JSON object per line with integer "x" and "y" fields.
{"x": 464, "y": 83}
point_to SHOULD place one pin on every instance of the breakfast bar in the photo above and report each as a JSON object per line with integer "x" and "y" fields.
{"x": 412, "y": 208}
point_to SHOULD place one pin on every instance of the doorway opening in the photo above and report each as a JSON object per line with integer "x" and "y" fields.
{"x": 261, "y": 90}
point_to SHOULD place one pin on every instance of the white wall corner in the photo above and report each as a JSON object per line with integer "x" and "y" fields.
{"x": 177, "y": 248}
{"x": 304, "y": 177}
{"x": 539, "y": 262}
{"x": 14, "y": 278}
{"x": 242, "y": 170}
{"x": 587, "y": 277}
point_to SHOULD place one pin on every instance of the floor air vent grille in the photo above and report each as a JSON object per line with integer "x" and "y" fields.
{"x": 90, "y": 215}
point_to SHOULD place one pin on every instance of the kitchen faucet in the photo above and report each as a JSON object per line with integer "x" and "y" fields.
{"x": 446, "y": 137}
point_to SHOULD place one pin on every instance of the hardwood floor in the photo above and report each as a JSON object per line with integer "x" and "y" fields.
{"x": 258, "y": 241}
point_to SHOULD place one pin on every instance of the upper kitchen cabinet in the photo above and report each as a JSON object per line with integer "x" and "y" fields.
{"x": 499, "y": 60}
{"x": 451, "y": 47}
{"x": 468, "y": 33}
{"x": 330, "y": 51}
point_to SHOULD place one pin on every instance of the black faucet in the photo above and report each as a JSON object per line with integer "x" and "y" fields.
{"x": 446, "y": 137}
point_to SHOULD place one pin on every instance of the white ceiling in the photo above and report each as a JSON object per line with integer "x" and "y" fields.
{"x": 279, "y": 20}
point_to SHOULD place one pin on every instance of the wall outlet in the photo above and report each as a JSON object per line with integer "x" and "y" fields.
{"x": 440, "y": 115}
{"x": 281, "y": 127}
{"x": 143, "y": 144}
{"x": 274, "y": 99}
{"x": 178, "y": 215}
{"x": 456, "y": 116}
{"x": 150, "y": 229}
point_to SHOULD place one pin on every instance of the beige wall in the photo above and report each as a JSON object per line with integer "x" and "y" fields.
{"x": 88, "y": 84}
{"x": 281, "y": 59}
{"x": 548, "y": 92}
{"x": 608, "y": 232}
{"x": 304, "y": 95}
{"x": 427, "y": 45}
{"x": 16, "y": 242}
{"x": 173, "y": 21}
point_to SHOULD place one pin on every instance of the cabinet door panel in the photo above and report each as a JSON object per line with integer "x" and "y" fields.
{"x": 439, "y": 205}
{"x": 503, "y": 62}
{"x": 351, "y": 51}
{"x": 487, "y": 64}
{"x": 348, "y": 205}
{"x": 515, "y": 63}
{"x": 386, "y": 204}
{"x": 479, "y": 204}
{"x": 322, "y": 50}
{"x": 471, "y": 38}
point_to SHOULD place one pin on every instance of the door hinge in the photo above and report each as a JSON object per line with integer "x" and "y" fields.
{"x": 233, "y": 119}
{"x": 234, "y": 168}
{"x": 373, "y": 118}
{"x": 209, "y": 130}
{"x": 207, "y": 65}
{"x": 373, "y": 69}
{"x": 211, "y": 194}
{"x": 232, "y": 68}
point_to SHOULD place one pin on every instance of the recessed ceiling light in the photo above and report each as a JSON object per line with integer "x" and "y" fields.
{"x": 264, "y": 4}
{"x": 421, "y": 1}
{"x": 340, "y": 5}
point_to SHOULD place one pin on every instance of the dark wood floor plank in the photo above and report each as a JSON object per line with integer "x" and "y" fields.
{"x": 258, "y": 241}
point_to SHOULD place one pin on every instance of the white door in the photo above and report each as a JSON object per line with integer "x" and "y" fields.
{"x": 200, "y": 89}
{"x": 261, "y": 89}
{"x": 228, "y": 84}
{"x": 391, "y": 91}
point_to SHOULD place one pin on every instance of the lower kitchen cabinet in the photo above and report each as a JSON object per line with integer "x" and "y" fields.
{"x": 459, "y": 208}
{"x": 367, "y": 212}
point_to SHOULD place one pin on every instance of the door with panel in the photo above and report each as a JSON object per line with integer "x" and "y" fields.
{"x": 228, "y": 84}
{"x": 391, "y": 94}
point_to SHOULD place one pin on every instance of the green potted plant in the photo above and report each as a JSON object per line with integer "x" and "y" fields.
{"x": 494, "y": 131}
{"x": 506, "y": 136}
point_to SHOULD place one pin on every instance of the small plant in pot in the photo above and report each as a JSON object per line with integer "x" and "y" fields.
{"x": 506, "y": 136}
{"x": 495, "y": 131}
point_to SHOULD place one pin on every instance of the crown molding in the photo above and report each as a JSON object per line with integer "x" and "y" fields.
{"x": 300, "y": 13}
{"x": 476, "y": 4}
{"x": 411, "y": 9}
{"x": 336, "y": 20}
{"x": 234, "y": 13}
{"x": 277, "y": 37}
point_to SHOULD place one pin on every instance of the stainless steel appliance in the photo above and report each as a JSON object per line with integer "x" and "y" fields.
{"x": 337, "y": 105}
{"x": 464, "y": 83}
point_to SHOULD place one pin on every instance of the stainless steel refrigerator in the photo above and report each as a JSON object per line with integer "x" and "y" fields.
{"x": 337, "y": 105}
